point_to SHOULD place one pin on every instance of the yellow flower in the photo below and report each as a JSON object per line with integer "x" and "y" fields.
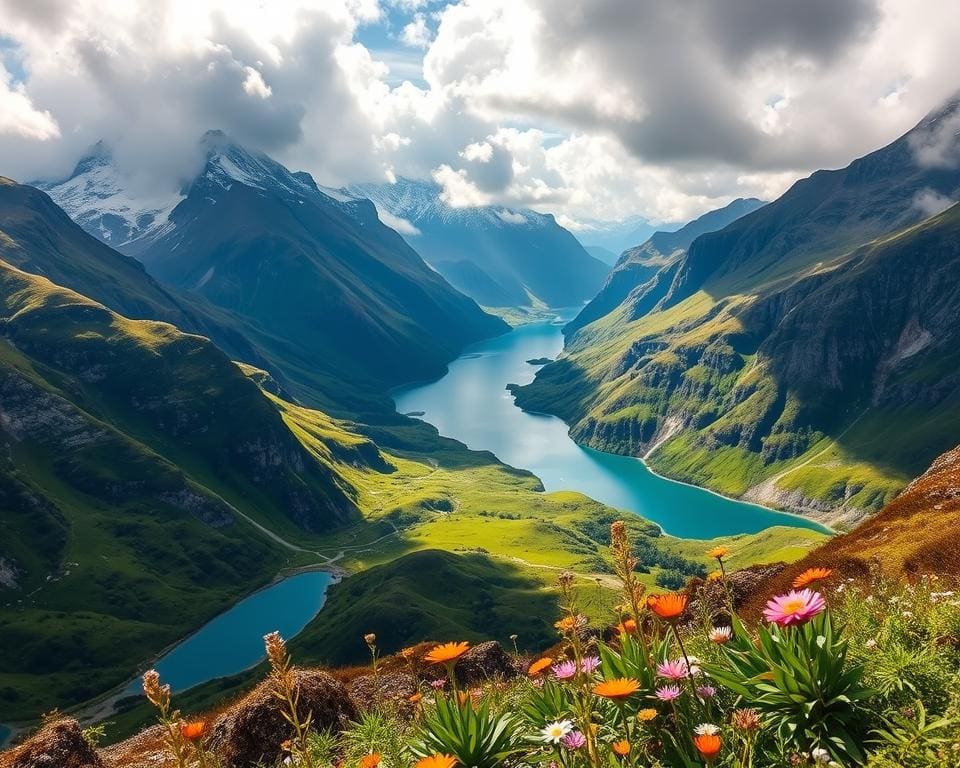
{"x": 620, "y": 688}
{"x": 416, "y": 698}
{"x": 447, "y": 652}
{"x": 646, "y": 715}
{"x": 718, "y": 552}
{"x": 715, "y": 576}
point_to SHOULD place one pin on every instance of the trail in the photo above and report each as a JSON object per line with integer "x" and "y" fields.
{"x": 776, "y": 478}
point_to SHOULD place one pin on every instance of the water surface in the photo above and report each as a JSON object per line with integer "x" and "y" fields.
{"x": 470, "y": 403}
{"x": 233, "y": 641}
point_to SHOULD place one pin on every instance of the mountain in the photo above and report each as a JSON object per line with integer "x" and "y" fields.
{"x": 324, "y": 291}
{"x": 614, "y": 236}
{"x": 501, "y": 257}
{"x": 145, "y": 484}
{"x": 804, "y": 355}
{"x": 637, "y": 265}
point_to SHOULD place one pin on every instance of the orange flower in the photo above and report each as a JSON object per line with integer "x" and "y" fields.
{"x": 718, "y": 552}
{"x": 811, "y": 575}
{"x": 437, "y": 761}
{"x": 370, "y": 761}
{"x": 447, "y": 652}
{"x": 621, "y": 748}
{"x": 668, "y": 606}
{"x": 627, "y": 627}
{"x": 707, "y": 744}
{"x": 715, "y": 576}
{"x": 463, "y": 697}
{"x": 416, "y": 698}
{"x": 646, "y": 715}
{"x": 539, "y": 666}
{"x": 193, "y": 730}
{"x": 619, "y": 688}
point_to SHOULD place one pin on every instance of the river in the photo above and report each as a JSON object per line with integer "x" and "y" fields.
{"x": 471, "y": 404}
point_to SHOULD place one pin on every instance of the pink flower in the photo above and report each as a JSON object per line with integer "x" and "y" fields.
{"x": 721, "y": 635}
{"x": 794, "y": 607}
{"x": 668, "y": 692}
{"x": 706, "y": 691}
{"x": 672, "y": 670}
{"x": 565, "y": 670}
{"x": 438, "y": 684}
{"x": 573, "y": 740}
{"x": 589, "y": 664}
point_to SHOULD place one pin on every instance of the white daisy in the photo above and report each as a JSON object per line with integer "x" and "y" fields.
{"x": 553, "y": 732}
{"x": 706, "y": 729}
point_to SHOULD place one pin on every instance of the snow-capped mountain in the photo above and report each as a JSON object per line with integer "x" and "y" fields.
{"x": 97, "y": 197}
{"x": 501, "y": 257}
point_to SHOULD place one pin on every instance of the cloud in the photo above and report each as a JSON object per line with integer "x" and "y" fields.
{"x": 402, "y": 226}
{"x": 930, "y": 202}
{"x": 18, "y": 117}
{"x": 937, "y": 146}
{"x": 593, "y": 109}
{"x": 511, "y": 217}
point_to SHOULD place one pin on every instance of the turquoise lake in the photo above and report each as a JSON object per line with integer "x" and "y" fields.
{"x": 471, "y": 404}
{"x": 233, "y": 641}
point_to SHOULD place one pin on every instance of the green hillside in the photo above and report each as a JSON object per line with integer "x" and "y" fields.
{"x": 803, "y": 356}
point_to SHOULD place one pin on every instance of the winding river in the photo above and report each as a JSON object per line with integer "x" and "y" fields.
{"x": 471, "y": 403}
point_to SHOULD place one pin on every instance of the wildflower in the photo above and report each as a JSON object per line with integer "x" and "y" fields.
{"x": 589, "y": 664}
{"x": 574, "y": 740}
{"x": 646, "y": 715}
{"x": 718, "y": 553}
{"x": 540, "y": 665}
{"x": 668, "y": 606}
{"x": 715, "y": 576}
{"x": 668, "y": 692}
{"x": 706, "y": 691}
{"x": 552, "y": 733}
{"x": 810, "y": 576}
{"x": 462, "y": 698}
{"x": 621, "y": 748}
{"x": 746, "y": 719}
{"x": 721, "y": 635}
{"x": 871, "y": 644}
{"x": 708, "y": 745}
{"x": 444, "y": 654}
{"x": 907, "y": 614}
{"x": 158, "y": 695}
{"x": 694, "y": 668}
{"x": 370, "y": 761}
{"x": 820, "y": 756}
{"x": 794, "y": 607}
{"x": 565, "y": 670}
{"x": 620, "y": 688}
{"x": 437, "y": 761}
{"x": 672, "y": 670}
{"x": 439, "y": 684}
{"x": 193, "y": 730}
{"x": 706, "y": 729}
{"x": 276, "y": 650}
{"x": 370, "y": 638}
{"x": 416, "y": 698}
{"x": 569, "y": 624}
{"x": 627, "y": 627}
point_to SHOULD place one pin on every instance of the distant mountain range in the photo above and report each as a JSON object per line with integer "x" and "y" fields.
{"x": 323, "y": 290}
{"x": 501, "y": 257}
{"x": 805, "y": 355}
{"x": 615, "y": 236}
{"x": 638, "y": 264}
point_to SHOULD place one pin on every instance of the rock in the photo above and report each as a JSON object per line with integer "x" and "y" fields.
{"x": 487, "y": 661}
{"x": 388, "y": 687}
{"x": 144, "y": 750}
{"x": 743, "y": 584}
{"x": 252, "y": 730}
{"x": 59, "y": 744}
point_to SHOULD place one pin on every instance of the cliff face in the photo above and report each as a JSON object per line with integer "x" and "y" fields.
{"x": 807, "y": 350}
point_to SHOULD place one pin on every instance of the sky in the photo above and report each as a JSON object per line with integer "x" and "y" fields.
{"x": 590, "y": 109}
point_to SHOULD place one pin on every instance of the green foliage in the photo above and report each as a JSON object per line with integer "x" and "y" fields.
{"x": 916, "y": 742}
{"x": 381, "y": 732}
{"x": 472, "y": 734}
{"x": 798, "y": 677}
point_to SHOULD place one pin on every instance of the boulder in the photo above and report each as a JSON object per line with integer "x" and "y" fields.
{"x": 370, "y": 691}
{"x": 487, "y": 661}
{"x": 251, "y": 731}
{"x": 58, "y": 744}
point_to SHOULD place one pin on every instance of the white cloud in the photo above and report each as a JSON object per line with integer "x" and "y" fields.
{"x": 479, "y": 151}
{"x": 930, "y": 202}
{"x": 511, "y": 217}
{"x": 417, "y": 34}
{"x": 254, "y": 84}
{"x": 398, "y": 223}
{"x": 18, "y": 116}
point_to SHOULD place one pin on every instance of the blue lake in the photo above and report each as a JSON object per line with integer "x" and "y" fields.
{"x": 233, "y": 641}
{"x": 470, "y": 403}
